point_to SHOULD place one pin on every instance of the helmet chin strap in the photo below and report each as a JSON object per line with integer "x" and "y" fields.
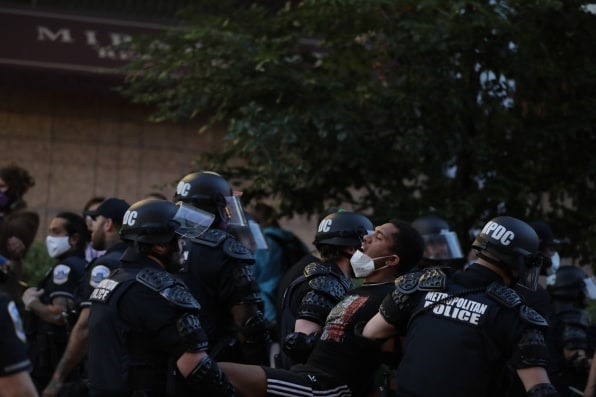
{"x": 501, "y": 265}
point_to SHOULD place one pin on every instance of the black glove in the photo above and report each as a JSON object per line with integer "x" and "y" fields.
{"x": 192, "y": 333}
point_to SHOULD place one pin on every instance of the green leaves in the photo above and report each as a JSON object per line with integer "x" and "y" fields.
{"x": 394, "y": 108}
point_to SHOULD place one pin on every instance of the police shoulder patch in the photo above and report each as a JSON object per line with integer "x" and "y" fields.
{"x": 408, "y": 283}
{"x": 181, "y": 297}
{"x": 61, "y": 273}
{"x": 211, "y": 238}
{"x": 13, "y": 311}
{"x": 432, "y": 279}
{"x": 235, "y": 249}
{"x": 98, "y": 273}
{"x": 504, "y": 295}
{"x": 531, "y": 316}
{"x": 155, "y": 279}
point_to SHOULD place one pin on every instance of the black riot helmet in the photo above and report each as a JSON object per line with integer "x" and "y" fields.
{"x": 154, "y": 221}
{"x": 569, "y": 285}
{"x": 209, "y": 191}
{"x": 441, "y": 245}
{"x": 344, "y": 228}
{"x": 511, "y": 244}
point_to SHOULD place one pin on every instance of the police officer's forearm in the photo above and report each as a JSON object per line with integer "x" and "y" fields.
{"x": 76, "y": 348}
{"x": 49, "y": 313}
{"x": 17, "y": 385}
{"x": 590, "y": 390}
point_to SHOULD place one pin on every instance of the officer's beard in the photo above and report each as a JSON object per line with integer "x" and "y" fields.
{"x": 171, "y": 259}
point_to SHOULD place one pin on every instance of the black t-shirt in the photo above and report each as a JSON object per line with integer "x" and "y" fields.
{"x": 339, "y": 352}
{"x": 13, "y": 350}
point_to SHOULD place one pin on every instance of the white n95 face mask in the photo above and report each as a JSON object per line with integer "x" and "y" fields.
{"x": 363, "y": 265}
{"x": 57, "y": 245}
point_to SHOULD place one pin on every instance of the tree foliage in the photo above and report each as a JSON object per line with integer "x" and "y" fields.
{"x": 395, "y": 108}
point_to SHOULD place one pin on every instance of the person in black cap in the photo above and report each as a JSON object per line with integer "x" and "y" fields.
{"x": 548, "y": 247}
{"x": 107, "y": 221}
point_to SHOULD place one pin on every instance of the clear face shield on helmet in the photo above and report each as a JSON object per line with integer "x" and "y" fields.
{"x": 251, "y": 236}
{"x": 530, "y": 271}
{"x": 192, "y": 221}
{"x": 442, "y": 246}
{"x": 235, "y": 212}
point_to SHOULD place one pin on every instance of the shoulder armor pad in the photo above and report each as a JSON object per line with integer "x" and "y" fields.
{"x": 329, "y": 285}
{"x": 408, "y": 283}
{"x": 155, "y": 279}
{"x": 181, "y": 297}
{"x": 531, "y": 316}
{"x": 504, "y": 295}
{"x": 235, "y": 249}
{"x": 316, "y": 269}
{"x": 211, "y": 238}
{"x": 163, "y": 282}
{"x": 432, "y": 279}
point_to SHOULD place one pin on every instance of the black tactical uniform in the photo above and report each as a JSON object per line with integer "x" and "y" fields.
{"x": 323, "y": 284}
{"x": 13, "y": 350}
{"x": 47, "y": 341}
{"x": 133, "y": 338}
{"x": 462, "y": 331}
{"x": 217, "y": 272}
{"x": 142, "y": 319}
{"x": 311, "y": 297}
{"x": 569, "y": 331}
{"x": 487, "y": 319}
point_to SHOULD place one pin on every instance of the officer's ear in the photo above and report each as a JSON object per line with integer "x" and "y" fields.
{"x": 74, "y": 240}
{"x": 160, "y": 249}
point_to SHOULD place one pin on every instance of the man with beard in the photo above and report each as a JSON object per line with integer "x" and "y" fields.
{"x": 106, "y": 223}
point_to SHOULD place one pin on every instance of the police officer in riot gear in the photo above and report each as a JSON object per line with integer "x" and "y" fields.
{"x": 484, "y": 324}
{"x": 309, "y": 299}
{"x": 145, "y": 334}
{"x": 217, "y": 270}
{"x": 568, "y": 341}
{"x": 442, "y": 246}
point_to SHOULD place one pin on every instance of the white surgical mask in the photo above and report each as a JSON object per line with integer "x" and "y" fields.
{"x": 363, "y": 265}
{"x": 57, "y": 245}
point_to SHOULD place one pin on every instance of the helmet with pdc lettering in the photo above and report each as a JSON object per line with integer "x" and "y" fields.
{"x": 507, "y": 239}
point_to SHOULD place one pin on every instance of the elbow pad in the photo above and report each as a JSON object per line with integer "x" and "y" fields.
{"x": 298, "y": 345}
{"x": 257, "y": 340}
{"x": 209, "y": 380}
{"x": 192, "y": 333}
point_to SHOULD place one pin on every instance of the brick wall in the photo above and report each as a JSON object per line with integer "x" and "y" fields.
{"x": 79, "y": 139}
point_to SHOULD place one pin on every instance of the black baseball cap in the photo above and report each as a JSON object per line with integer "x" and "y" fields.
{"x": 545, "y": 234}
{"x": 113, "y": 208}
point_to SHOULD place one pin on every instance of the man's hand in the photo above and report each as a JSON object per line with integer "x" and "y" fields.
{"x": 31, "y": 295}
{"x": 52, "y": 389}
{"x": 15, "y": 247}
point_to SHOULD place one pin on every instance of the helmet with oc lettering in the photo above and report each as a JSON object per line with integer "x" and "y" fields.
{"x": 509, "y": 240}
{"x": 209, "y": 191}
{"x": 154, "y": 221}
{"x": 343, "y": 228}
